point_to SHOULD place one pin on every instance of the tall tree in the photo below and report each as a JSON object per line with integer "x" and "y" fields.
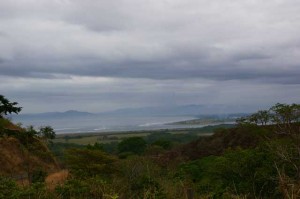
{"x": 7, "y": 107}
{"x": 284, "y": 116}
{"x": 47, "y": 133}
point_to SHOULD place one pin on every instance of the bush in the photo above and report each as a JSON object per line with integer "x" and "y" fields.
{"x": 165, "y": 144}
{"x": 145, "y": 187}
{"x": 244, "y": 172}
{"x": 94, "y": 187}
{"x": 9, "y": 188}
{"x": 39, "y": 175}
{"x": 86, "y": 163}
{"x": 36, "y": 190}
{"x": 136, "y": 145}
{"x": 73, "y": 188}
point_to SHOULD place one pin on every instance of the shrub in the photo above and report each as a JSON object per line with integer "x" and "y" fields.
{"x": 9, "y": 188}
{"x": 39, "y": 175}
{"x": 136, "y": 145}
{"x": 88, "y": 163}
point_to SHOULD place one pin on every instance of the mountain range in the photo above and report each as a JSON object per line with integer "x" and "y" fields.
{"x": 185, "y": 110}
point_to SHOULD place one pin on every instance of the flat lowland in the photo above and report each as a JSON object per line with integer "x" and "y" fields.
{"x": 91, "y": 139}
{"x": 108, "y": 137}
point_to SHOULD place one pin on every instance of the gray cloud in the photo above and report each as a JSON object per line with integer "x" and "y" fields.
{"x": 246, "y": 42}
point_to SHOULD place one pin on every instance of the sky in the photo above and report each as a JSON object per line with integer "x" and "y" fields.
{"x": 101, "y": 55}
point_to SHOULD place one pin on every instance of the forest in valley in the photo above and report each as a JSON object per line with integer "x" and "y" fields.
{"x": 258, "y": 157}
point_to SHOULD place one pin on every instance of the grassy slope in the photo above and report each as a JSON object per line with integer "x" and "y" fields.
{"x": 15, "y": 157}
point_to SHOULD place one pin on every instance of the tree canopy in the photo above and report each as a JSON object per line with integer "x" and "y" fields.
{"x": 47, "y": 133}
{"x": 136, "y": 145}
{"x": 7, "y": 107}
{"x": 282, "y": 116}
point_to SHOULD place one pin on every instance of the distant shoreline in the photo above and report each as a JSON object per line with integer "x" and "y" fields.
{"x": 202, "y": 122}
{"x": 181, "y": 125}
{"x": 224, "y": 125}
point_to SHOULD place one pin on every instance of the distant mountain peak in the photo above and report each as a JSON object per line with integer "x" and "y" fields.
{"x": 75, "y": 112}
{"x": 69, "y": 113}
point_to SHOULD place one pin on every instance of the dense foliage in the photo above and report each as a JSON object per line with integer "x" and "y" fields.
{"x": 7, "y": 107}
{"x": 259, "y": 158}
{"x": 135, "y": 145}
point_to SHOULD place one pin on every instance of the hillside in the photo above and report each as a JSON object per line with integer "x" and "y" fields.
{"x": 256, "y": 158}
{"x": 223, "y": 139}
{"x": 19, "y": 156}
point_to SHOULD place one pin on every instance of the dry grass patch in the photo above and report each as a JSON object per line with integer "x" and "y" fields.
{"x": 57, "y": 178}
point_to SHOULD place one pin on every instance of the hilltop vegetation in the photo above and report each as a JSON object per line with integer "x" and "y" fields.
{"x": 22, "y": 148}
{"x": 258, "y": 158}
{"x": 23, "y": 151}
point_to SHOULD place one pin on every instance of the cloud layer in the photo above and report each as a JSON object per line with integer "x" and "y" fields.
{"x": 149, "y": 52}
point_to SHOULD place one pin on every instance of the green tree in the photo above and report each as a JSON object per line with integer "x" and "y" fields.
{"x": 89, "y": 163}
{"x": 286, "y": 122}
{"x": 261, "y": 117}
{"x": 238, "y": 172}
{"x": 96, "y": 146}
{"x": 7, "y": 107}
{"x": 165, "y": 144}
{"x": 136, "y": 145}
{"x": 30, "y": 132}
{"x": 284, "y": 116}
{"x": 47, "y": 133}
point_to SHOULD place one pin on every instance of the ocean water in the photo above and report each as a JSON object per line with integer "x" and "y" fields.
{"x": 108, "y": 124}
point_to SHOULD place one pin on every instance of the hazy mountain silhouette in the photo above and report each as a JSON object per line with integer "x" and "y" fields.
{"x": 185, "y": 110}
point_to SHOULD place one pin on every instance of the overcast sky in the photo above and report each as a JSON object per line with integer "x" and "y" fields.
{"x": 102, "y": 55}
